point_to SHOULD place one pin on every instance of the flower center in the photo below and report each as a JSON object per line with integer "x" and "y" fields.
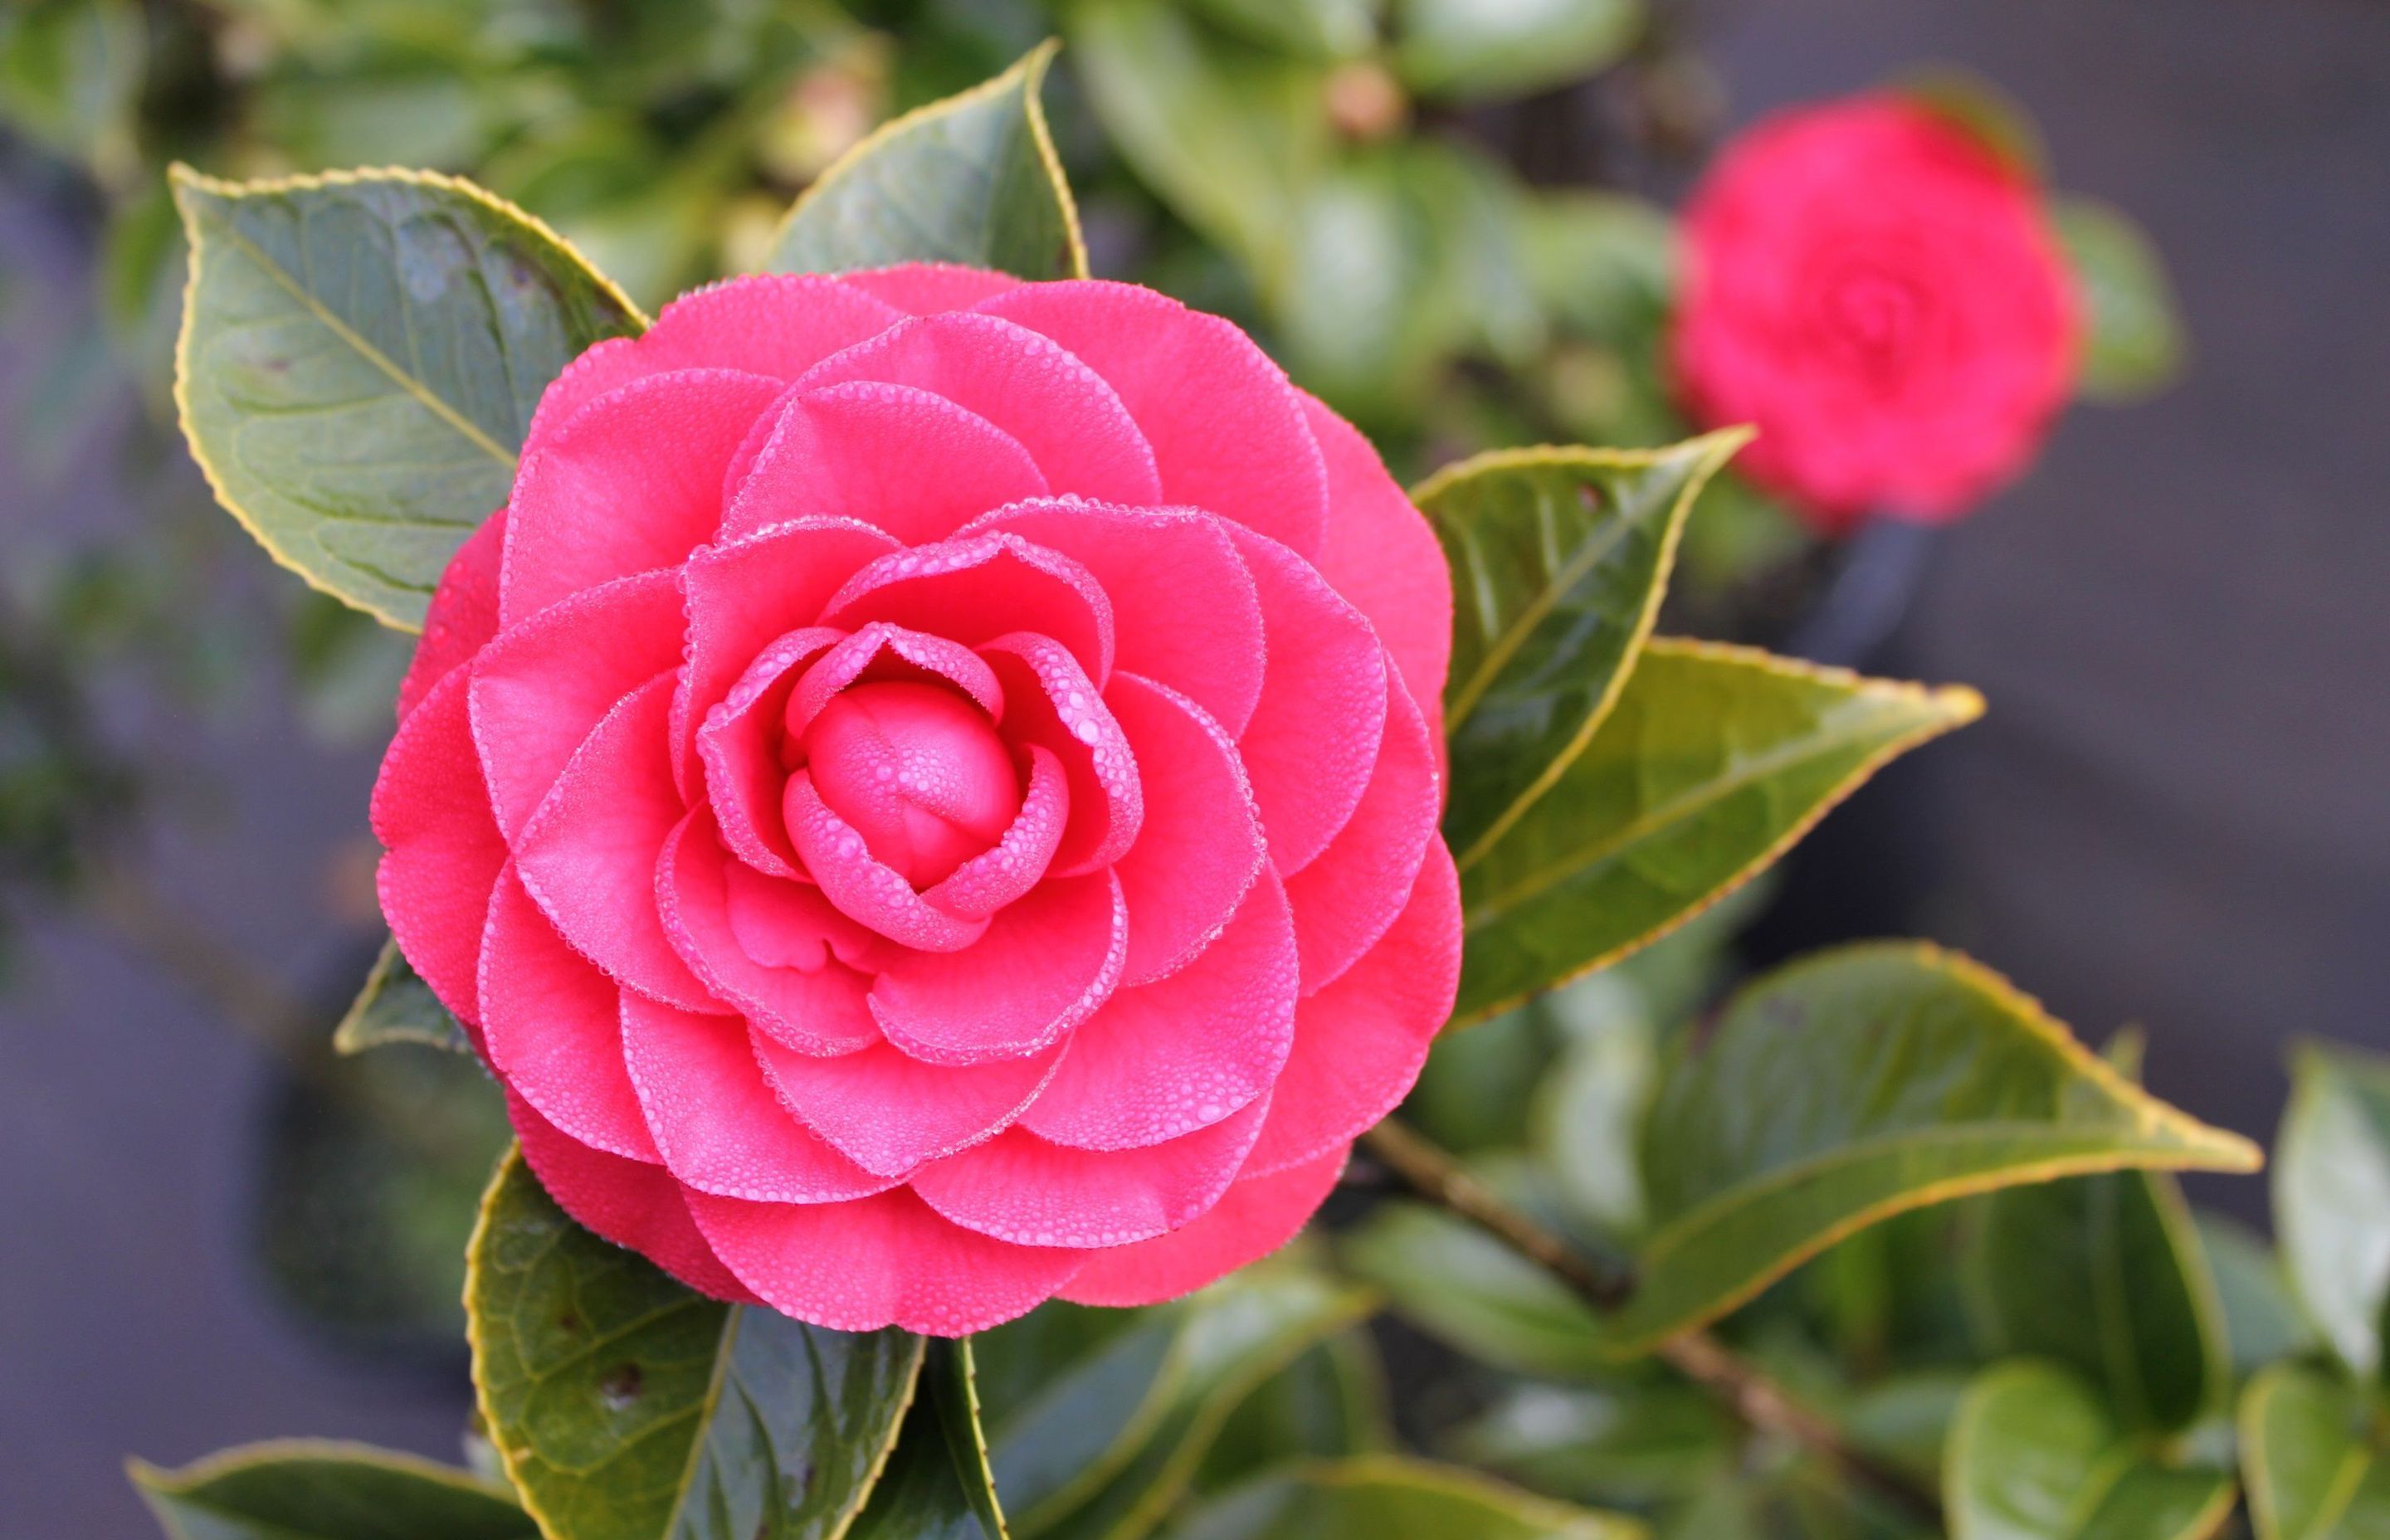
{"x": 917, "y": 771}
{"x": 1874, "y": 318}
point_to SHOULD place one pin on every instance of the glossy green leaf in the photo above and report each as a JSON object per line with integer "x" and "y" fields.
{"x": 1459, "y": 1284}
{"x": 937, "y": 1484}
{"x": 1626, "y": 1443}
{"x": 1071, "y": 1394}
{"x": 626, "y": 1407}
{"x": 1714, "y": 759}
{"x": 2332, "y": 1197}
{"x": 2261, "y": 1321}
{"x": 1481, "y": 48}
{"x": 310, "y": 1489}
{"x": 1559, "y": 560}
{"x": 1858, "y": 1084}
{"x": 1384, "y": 1497}
{"x": 972, "y": 179}
{"x": 2314, "y": 1469}
{"x": 360, "y": 355}
{"x": 396, "y": 1005}
{"x": 2133, "y": 343}
{"x": 2034, "y": 1455}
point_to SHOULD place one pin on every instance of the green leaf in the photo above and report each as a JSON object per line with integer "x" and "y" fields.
{"x": 1331, "y": 1403}
{"x": 2332, "y": 1197}
{"x": 1587, "y": 1117}
{"x": 972, "y": 179}
{"x": 396, "y": 1005}
{"x": 2034, "y": 1456}
{"x": 1481, "y": 48}
{"x": 626, "y": 1407}
{"x": 1559, "y": 560}
{"x": 2133, "y": 345}
{"x": 1461, "y": 1285}
{"x": 2313, "y": 1470}
{"x": 70, "y": 75}
{"x": 937, "y": 1486}
{"x": 1385, "y": 1497}
{"x": 2260, "y": 1319}
{"x": 360, "y": 355}
{"x": 1314, "y": 29}
{"x": 1858, "y": 1084}
{"x": 312, "y": 1489}
{"x": 1714, "y": 759}
{"x": 1604, "y": 263}
{"x": 1636, "y": 1444}
{"x": 1071, "y": 1391}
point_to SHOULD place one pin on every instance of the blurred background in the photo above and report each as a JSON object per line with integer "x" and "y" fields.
{"x": 1446, "y": 216}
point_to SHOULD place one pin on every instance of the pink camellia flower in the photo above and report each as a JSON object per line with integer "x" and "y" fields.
{"x": 1880, "y": 293}
{"x": 926, "y": 796}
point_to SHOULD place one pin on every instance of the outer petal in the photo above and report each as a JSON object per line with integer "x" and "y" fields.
{"x": 1200, "y": 847}
{"x": 1043, "y": 966}
{"x": 1049, "y": 701}
{"x": 1359, "y": 1042}
{"x": 589, "y": 854}
{"x": 1227, "y": 430}
{"x": 443, "y": 850}
{"x": 630, "y": 483}
{"x": 1256, "y": 1216}
{"x": 1070, "y": 422}
{"x": 926, "y": 288}
{"x": 1344, "y": 901}
{"x": 893, "y": 457}
{"x": 883, "y": 1261}
{"x": 1184, "y": 607}
{"x": 555, "y": 1029}
{"x": 463, "y": 615}
{"x": 716, "y": 1122}
{"x": 1018, "y": 1188}
{"x": 889, "y": 1112}
{"x": 974, "y": 588}
{"x": 631, "y": 1205}
{"x": 1314, "y": 738}
{"x": 1380, "y": 554}
{"x": 1162, "y": 1060}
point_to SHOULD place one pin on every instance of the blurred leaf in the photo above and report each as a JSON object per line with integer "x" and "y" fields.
{"x": 359, "y": 358}
{"x": 1905, "y": 1418}
{"x": 2332, "y": 1197}
{"x": 2133, "y": 345}
{"x": 1712, "y": 761}
{"x": 1329, "y": 1404}
{"x": 2261, "y": 1321}
{"x": 1384, "y": 1497}
{"x": 1314, "y": 29}
{"x": 70, "y": 75}
{"x": 1635, "y": 1444}
{"x": 1559, "y": 559}
{"x": 1588, "y": 1114}
{"x": 1462, "y": 1285}
{"x": 1602, "y": 263}
{"x": 627, "y": 1406}
{"x": 318, "y": 1489}
{"x": 1468, "y": 1096}
{"x": 1980, "y": 110}
{"x": 1854, "y": 1084}
{"x": 1070, "y": 1393}
{"x": 971, "y": 179}
{"x": 937, "y": 1486}
{"x": 2314, "y": 1470}
{"x": 1481, "y": 48}
{"x": 396, "y": 1005}
{"x": 2034, "y": 1456}
{"x": 430, "y": 117}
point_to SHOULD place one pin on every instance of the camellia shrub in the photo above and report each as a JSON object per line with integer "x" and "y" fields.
{"x": 955, "y": 800}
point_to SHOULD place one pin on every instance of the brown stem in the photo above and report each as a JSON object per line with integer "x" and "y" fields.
{"x": 1748, "y": 1391}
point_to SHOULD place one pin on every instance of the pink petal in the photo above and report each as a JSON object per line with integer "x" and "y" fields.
{"x": 1257, "y": 1216}
{"x": 1162, "y": 1060}
{"x": 543, "y": 685}
{"x": 443, "y": 849}
{"x": 1049, "y": 701}
{"x": 630, "y": 483}
{"x": 555, "y": 1029}
{"x": 463, "y": 614}
{"x": 589, "y": 854}
{"x": 815, "y": 1009}
{"x": 883, "y": 650}
{"x": 1227, "y": 430}
{"x": 1019, "y": 859}
{"x": 926, "y": 288}
{"x": 636, "y": 1206}
{"x": 1060, "y": 410}
{"x": 895, "y": 457}
{"x": 1200, "y": 847}
{"x": 1344, "y": 901}
{"x": 1313, "y": 740}
{"x": 977, "y": 587}
{"x": 888, "y": 1260}
{"x": 1018, "y": 1188}
{"x": 1184, "y": 607}
{"x": 866, "y": 889}
{"x": 1380, "y": 554}
{"x": 780, "y": 324}
{"x": 1045, "y": 964}
{"x": 716, "y": 1122}
{"x": 889, "y": 1112}
{"x": 1359, "y": 1042}
{"x": 739, "y": 745}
